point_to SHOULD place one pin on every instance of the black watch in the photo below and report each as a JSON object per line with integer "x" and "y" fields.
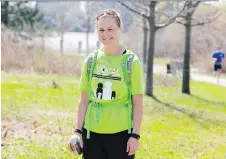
{"x": 78, "y": 131}
{"x": 136, "y": 136}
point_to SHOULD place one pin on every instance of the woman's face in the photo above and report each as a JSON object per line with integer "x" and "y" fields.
{"x": 108, "y": 30}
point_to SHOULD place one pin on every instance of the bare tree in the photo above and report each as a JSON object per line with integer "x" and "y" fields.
{"x": 61, "y": 15}
{"x": 154, "y": 26}
{"x": 88, "y": 19}
{"x": 186, "y": 19}
{"x": 145, "y": 41}
{"x": 43, "y": 31}
{"x": 60, "y": 18}
{"x": 90, "y": 9}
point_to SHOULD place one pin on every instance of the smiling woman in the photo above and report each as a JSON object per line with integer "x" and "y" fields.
{"x": 110, "y": 109}
{"x": 109, "y": 27}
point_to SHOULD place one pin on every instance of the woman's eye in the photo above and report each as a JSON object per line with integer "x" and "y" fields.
{"x": 110, "y": 29}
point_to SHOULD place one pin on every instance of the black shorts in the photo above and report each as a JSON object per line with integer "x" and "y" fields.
{"x": 106, "y": 146}
{"x": 217, "y": 67}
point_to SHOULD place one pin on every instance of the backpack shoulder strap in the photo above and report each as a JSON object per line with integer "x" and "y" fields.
{"x": 91, "y": 63}
{"x": 127, "y": 61}
{"x": 129, "y": 64}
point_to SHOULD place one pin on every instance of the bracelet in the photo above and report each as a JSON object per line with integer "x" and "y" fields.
{"x": 78, "y": 131}
{"x": 136, "y": 136}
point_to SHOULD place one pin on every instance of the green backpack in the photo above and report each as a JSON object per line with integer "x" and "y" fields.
{"x": 127, "y": 62}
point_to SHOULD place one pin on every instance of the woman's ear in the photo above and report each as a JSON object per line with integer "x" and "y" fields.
{"x": 120, "y": 28}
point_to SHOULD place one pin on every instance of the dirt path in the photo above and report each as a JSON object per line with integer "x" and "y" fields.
{"x": 194, "y": 76}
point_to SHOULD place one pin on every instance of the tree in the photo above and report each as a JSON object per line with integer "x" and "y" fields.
{"x": 145, "y": 41}
{"x": 90, "y": 10}
{"x": 154, "y": 26}
{"x": 88, "y": 25}
{"x": 5, "y": 12}
{"x": 59, "y": 13}
{"x": 62, "y": 17}
{"x": 19, "y": 15}
{"x": 186, "y": 19}
{"x": 43, "y": 30}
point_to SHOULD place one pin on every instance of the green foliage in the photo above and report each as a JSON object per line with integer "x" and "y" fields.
{"x": 19, "y": 15}
{"x": 161, "y": 61}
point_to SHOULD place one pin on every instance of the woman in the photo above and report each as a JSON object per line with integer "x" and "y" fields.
{"x": 108, "y": 119}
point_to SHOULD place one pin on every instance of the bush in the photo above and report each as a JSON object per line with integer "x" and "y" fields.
{"x": 21, "y": 56}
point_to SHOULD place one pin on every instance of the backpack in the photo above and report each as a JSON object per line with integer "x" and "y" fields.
{"x": 127, "y": 62}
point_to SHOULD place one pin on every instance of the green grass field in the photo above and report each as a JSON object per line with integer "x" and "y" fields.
{"x": 161, "y": 61}
{"x": 39, "y": 119}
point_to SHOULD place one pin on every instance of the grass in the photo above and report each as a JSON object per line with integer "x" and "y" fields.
{"x": 40, "y": 119}
{"x": 161, "y": 61}
{"x": 203, "y": 96}
{"x": 223, "y": 75}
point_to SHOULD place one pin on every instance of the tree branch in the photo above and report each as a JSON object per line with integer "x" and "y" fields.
{"x": 141, "y": 5}
{"x": 207, "y": 21}
{"x": 179, "y": 22}
{"x": 132, "y": 10}
{"x": 182, "y": 16}
{"x": 198, "y": 23}
{"x": 162, "y": 13}
{"x": 194, "y": 6}
{"x": 139, "y": 23}
{"x": 172, "y": 19}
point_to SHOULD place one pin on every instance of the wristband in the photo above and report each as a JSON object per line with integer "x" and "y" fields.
{"x": 136, "y": 136}
{"x": 78, "y": 131}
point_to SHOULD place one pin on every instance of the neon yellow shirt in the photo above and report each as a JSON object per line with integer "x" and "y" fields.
{"x": 110, "y": 90}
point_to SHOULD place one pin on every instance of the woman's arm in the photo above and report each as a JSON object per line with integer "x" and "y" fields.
{"x": 137, "y": 112}
{"x": 82, "y": 107}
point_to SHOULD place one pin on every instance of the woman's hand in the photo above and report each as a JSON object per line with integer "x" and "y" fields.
{"x": 132, "y": 146}
{"x": 78, "y": 137}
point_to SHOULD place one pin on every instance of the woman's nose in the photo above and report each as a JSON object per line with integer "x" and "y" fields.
{"x": 106, "y": 33}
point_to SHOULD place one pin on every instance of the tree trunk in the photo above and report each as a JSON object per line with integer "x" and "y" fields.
{"x": 5, "y": 7}
{"x": 145, "y": 45}
{"x": 186, "y": 67}
{"x": 43, "y": 43}
{"x": 61, "y": 29}
{"x": 88, "y": 27}
{"x": 145, "y": 42}
{"x": 149, "y": 78}
{"x": 87, "y": 42}
{"x": 62, "y": 44}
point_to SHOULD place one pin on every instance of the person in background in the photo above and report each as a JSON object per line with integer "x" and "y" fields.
{"x": 218, "y": 61}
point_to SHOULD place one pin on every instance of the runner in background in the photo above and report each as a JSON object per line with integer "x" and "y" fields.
{"x": 218, "y": 61}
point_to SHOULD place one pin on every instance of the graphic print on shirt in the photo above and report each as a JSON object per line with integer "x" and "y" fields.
{"x": 107, "y": 73}
{"x": 99, "y": 91}
{"x": 105, "y": 93}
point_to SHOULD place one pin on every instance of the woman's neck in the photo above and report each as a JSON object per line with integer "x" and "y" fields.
{"x": 113, "y": 49}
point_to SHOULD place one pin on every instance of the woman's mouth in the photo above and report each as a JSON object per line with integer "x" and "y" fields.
{"x": 108, "y": 38}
